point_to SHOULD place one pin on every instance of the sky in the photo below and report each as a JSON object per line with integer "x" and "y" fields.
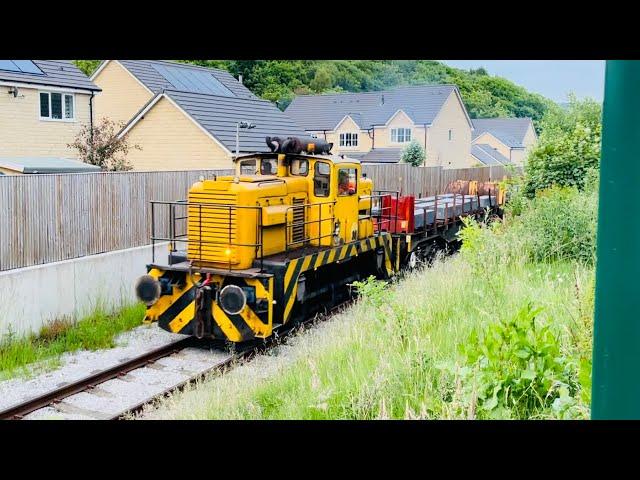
{"x": 551, "y": 78}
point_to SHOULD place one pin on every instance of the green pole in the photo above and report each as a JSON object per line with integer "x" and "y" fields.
{"x": 616, "y": 346}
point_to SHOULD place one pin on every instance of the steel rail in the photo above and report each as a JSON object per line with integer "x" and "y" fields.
{"x": 18, "y": 411}
{"x": 245, "y": 353}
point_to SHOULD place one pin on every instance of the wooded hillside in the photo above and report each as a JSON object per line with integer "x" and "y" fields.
{"x": 280, "y": 80}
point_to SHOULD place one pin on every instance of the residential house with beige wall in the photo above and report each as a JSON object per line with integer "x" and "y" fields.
{"x": 43, "y": 106}
{"x": 375, "y": 126}
{"x": 185, "y": 116}
{"x": 505, "y": 140}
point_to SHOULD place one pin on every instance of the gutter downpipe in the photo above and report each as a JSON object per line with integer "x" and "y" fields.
{"x": 91, "y": 121}
{"x": 425, "y": 138}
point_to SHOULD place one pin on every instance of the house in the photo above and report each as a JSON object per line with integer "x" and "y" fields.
{"x": 43, "y": 106}
{"x": 485, "y": 155}
{"x": 127, "y": 85}
{"x": 29, "y": 165}
{"x": 375, "y": 126}
{"x": 508, "y": 140}
{"x": 185, "y": 116}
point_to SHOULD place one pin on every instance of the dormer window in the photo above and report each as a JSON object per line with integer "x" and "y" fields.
{"x": 57, "y": 106}
{"x": 400, "y": 135}
{"x": 348, "y": 139}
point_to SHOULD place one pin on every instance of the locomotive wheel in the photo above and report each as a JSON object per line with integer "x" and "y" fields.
{"x": 412, "y": 263}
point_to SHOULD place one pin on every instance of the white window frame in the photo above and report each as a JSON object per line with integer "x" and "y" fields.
{"x": 353, "y": 139}
{"x": 63, "y": 95}
{"x": 404, "y": 135}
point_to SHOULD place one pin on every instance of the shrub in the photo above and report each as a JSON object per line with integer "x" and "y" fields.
{"x": 413, "y": 154}
{"x": 560, "y": 223}
{"x": 515, "y": 369}
{"x": 101, "y": 146}
{"x": 568, "y": 147}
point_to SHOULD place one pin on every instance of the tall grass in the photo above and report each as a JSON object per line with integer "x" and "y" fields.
{"x": 397, "y": 354}
{"x": 96, "y": 331}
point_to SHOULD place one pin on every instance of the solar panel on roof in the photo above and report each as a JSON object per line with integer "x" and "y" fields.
{"x": 190, "y": 80}
{"x": 27, "y": 66}
{"x": 20, "y": 66}
{"x": 8, "y": 65}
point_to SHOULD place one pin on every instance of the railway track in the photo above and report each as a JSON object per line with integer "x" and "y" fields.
{"x": 87, "y": 384}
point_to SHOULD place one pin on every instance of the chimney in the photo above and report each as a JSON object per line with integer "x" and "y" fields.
{"x": 240, "y": 78}
{"x": 382, "y": 99}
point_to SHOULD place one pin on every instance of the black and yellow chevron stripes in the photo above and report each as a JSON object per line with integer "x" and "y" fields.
{"x": 176, "y": 312}
{"x": 311, "y": 262}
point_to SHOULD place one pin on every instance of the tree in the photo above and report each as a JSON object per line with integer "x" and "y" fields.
{"x": 87, "y": 66}
{"x": 102, "y": 147}
{"x": 413, "y": 154}
{"x": 568, "y": 147}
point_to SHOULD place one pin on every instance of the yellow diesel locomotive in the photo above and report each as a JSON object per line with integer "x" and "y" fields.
{"x": 280, "y": 241}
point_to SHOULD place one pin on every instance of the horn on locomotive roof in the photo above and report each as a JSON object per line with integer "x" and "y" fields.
{"x": 299, "y": 145}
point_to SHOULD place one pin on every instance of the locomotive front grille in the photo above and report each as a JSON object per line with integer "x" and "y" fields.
{"x": 297, "y": 231}
{"x": 212, "y": 228}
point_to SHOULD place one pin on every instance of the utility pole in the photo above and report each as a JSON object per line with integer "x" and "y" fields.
{"x": 616, "y": 351}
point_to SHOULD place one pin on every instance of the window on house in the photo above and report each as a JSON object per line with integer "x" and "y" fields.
{"x": 348, "y": 139}
{"x": 450, "y": 134}
{"x": 57, "y": 106}
{"x": 400, "y": 135}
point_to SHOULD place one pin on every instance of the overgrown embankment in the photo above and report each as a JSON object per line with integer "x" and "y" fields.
{"x": 94, "y": 332}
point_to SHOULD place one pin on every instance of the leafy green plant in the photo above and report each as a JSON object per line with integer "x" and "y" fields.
{"x": 371, "y": 290}
{"x": 413, "y": 154}
{"x": 559, "y": 224}
{"x": 516, "y": 368}
{"x": 568, "y": 147}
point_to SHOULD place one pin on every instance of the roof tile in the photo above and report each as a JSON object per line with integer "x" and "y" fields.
{"x": 57, "y": 73}
{"x": 510, "y": 131}
{"x": 323, "y": 112}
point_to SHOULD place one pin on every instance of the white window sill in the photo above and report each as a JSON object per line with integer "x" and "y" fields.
{"x": 60, "y": 120}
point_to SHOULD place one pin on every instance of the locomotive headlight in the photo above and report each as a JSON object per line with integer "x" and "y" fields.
{"x": 232, "y": 299}
{"x": 148, "y": 290}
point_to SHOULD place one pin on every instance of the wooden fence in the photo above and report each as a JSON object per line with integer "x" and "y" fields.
{"x": 48, "y": 218}
{"x": 426, "y": 181}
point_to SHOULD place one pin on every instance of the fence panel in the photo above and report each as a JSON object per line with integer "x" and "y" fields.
{"x": 48, "y": 218}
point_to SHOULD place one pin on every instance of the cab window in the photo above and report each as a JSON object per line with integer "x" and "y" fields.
{"x": 269, "y": 166}
{"x": 347, "y": 181}
{"x": 248, "y": 167}
{"x": 299, "y": 167}
{"x": 321, "y": 178}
